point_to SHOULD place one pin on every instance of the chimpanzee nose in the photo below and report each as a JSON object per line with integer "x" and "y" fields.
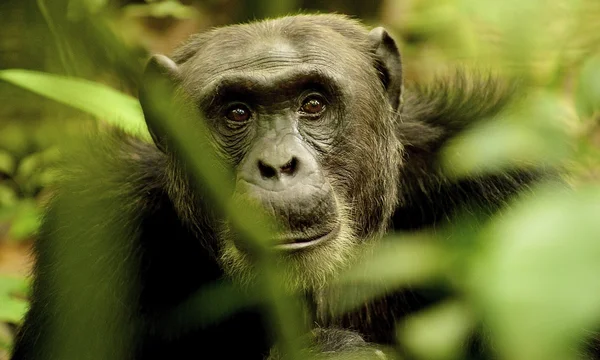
{"x": 276, "y": 169}
{"x": 280, "y": 164}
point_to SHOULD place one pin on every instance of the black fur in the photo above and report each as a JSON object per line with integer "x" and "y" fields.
{"x": 166, "y": 234}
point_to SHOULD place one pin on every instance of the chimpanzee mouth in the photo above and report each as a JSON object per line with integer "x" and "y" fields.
{"x": 305, "y": 216}
{"x": 295, "y": 243}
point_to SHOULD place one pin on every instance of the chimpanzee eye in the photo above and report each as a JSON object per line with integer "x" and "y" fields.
{"x": 312, "y": 106}
{"x": 238, "y": 113}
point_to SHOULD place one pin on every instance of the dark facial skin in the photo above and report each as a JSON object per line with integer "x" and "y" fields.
{"x": 275, "y": 142}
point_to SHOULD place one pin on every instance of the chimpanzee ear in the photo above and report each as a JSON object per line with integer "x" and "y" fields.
{"x": 157, "y": 87}
{"x": 389, "y": 64}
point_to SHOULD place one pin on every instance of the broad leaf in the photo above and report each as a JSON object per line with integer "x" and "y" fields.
{"x": 588, "y": 88}
{"x": 97, "y": 99}
{"x": 537, "y": 277}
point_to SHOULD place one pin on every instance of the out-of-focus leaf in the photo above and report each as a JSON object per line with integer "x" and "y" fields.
{"x": 394, "y": 263}
{"x": 161, "y": 9}
{"x": 531, "y": 134}
{"x": 222, "y": 299}
{"x": 438, "y": 333}
{"x": 8, "y": 197}
{"x": 14, "y": 138}
{"x": 96, "y": 99}
{"x": 400, "y": 261}
{"x": 6, "y": 340}
{"x": 433, "y": 18}
{"x": 588, "y": 88}
{"x": 7, "y": 163}
{"x": 537, "y": 279}
{"x": 13, "y": 309}
{"x": 45, "y": 178}
{"x": 78, "y": 9}
{"x": 26, "y": 221}
{"x": 34, "y": 169}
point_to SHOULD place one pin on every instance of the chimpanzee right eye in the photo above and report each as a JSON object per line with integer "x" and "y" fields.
{"x": 238, "y": 113}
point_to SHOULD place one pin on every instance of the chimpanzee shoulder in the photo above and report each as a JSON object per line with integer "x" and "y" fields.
{"x": 432, "y": 115}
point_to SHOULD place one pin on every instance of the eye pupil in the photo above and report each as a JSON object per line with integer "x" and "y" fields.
{"x": 312, "y": 106}
{"x": 238, "y": 114}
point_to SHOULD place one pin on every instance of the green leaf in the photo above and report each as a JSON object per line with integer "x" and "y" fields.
{"x": 397, "y": 261}
{"x": 7, "y": 163}
{"x": 26, "y": 221}
{"x": 588, "y": 88}
{"x": 8, "y": 198}
{"x": 79, "y": 9}
{"x": 438, "y": 333}
{"x": 531, "y": 134}
{"x": 13, "y": 309}
{"x": 99, "y": 100}
{"x": 400, "y": 260}
{"x": 34, "y": 169}
{"x": 161, "y": 10}
{"x": 537, "y": 278}
{"x": 14, "y": 138}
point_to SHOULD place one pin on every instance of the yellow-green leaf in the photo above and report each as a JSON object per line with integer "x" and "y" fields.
{"x": 99, "y": 100}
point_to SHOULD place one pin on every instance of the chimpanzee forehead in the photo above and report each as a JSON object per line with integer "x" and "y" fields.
{"x": 262, "y": 51}
{"x": 266, "y": 55}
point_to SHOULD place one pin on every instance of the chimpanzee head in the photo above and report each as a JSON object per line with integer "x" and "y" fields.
{"x": 303, "y": 108}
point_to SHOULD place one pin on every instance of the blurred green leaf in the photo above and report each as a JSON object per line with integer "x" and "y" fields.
{"x": 6, "y": 340}
{"x": 7, "y": 163}
{"x": 395, "y": 262}
{"x": 13, "y": 309}
{"x": 26, "y": 221}
{"x": 439, "y": 333}
{"x": 45, "y": 177}
{"x": 94, "y": 98}
{"x": 8, "y": 197}
{"x": 35, "y": 170}
{"x": 530, "y": 134}
{"x": 24, "y": 216}
{"x": 62, "y": 45}
{"x": 400, "y": 260}
{"x": 211, "y": 304}
{"x": 78, "y": 9}
{"x": 588, "y": 89}
{"x": 161, "y": 9}
{"x": 537, "y": 279}
{"x": 14, "y": 139}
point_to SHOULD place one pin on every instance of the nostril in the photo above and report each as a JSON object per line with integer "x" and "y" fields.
{"x": 290, "y": 167}
{"x": 266, "y": 171}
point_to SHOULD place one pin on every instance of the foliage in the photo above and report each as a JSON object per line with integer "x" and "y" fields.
{"x": 124, "y": 111}
{"x": 528, "y": 275}
{"x": 12, "y": 308}
{"x": 161, "y": 9}
{"x": 21, "y": 179}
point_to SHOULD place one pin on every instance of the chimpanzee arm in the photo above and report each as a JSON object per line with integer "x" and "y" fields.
{"x": 85, "y": 290}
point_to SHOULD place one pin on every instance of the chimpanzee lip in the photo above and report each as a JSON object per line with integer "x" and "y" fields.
{"x": 300, "y": 243}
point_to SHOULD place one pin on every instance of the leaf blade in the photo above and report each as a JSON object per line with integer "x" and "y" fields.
{"x": 88, "y": 96}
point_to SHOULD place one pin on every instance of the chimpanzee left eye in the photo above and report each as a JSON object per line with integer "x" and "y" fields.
{"x": 312, "y": 106}
{"x": 238, "y": 113}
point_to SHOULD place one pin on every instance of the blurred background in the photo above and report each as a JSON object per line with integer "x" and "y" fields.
{"x": 533, "y": 277}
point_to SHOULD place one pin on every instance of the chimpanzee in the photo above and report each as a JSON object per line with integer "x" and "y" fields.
{"x": 311, "y": 114}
